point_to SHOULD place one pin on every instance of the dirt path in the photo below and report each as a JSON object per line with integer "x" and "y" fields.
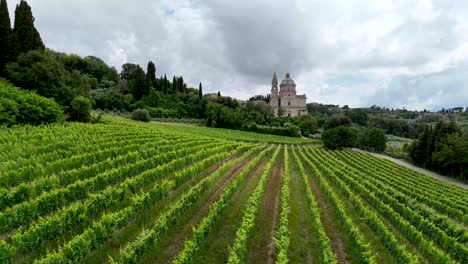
{"x": 336, "y": 240}
{"x": 262, "y": 248}
{"x": 418, "y": 169}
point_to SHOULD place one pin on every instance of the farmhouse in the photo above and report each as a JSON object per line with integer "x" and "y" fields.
{"x": 285, "y": 101}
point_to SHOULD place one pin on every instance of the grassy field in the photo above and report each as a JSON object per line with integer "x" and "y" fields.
{"x": 130, "y": 192}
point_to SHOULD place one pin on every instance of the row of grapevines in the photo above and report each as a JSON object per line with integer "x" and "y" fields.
{"x": 388, "y": 240}
{"x": 61, "y": 153}
{"x": 449, "y": 244}
{"x": 200, "y": 233}
{"x": 80, "y": 246}
{"x": 443, "y": 189}
{"x": 454, "y": 207}
{"x": 455, "y": 200}
{"x": 239, "y": 247}
{"x": 413, "y": 234}
{"x": 50, "y": 227}
{"x": 134, "y": 250}
{"x": 385, "y": 182}
{"x": 40, "y": 169}
{"x": 282, "y": 235}
{"x": 65, "y": 151}
{"x": 20, "y": 144}
{"x": 125, "y": 155}
{"x": 25, "y": 212}
{"x": 77, "y": 248}
{"x": 357, "y": 238}
{"x": 327, "y": 256}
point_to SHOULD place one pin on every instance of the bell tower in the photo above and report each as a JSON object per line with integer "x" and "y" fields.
{"x": 274, "y": 100}
{"x": 274, "y": 93}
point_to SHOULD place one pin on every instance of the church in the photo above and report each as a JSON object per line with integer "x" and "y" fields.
{"x": 286, "y": 98}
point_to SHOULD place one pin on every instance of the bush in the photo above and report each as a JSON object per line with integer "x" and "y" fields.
{"x": 23, "y": 107}
{"x": 80, "y": 109}
{"x": 339, "y": 137}
{"x": 372, "y": 139}
{"x": 336, "y": 121}
{"x": 158, "y": 112}
{"x": 290, "y": 131}
{"x": 141, "y": 115}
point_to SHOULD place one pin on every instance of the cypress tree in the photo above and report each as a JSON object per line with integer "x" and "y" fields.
{"x": 151, "y": 75}
{"x": 6, "y": 52}
{"x": 174, "y": 85}
{"x": 200, "y": 91}
{"x": 25, "y": 35}
{"x": 181, "y": 85}
{"x": 165, "y": 84}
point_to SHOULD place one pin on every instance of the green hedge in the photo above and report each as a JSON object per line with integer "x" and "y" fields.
{"x": 23, "y": 107}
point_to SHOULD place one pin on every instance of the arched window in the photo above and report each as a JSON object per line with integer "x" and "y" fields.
{"x": 289, "y": 103}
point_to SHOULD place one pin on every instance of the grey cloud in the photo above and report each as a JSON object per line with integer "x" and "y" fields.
{"x": 234, "y": 46}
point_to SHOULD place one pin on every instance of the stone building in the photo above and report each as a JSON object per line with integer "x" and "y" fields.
{"x": 286, "y": 98}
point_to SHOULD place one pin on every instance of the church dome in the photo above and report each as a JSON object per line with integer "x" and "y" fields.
{"x": 287, "y": 81}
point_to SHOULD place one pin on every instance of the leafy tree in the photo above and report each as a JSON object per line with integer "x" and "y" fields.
{"x": 200, "y": 91}
{"x": 358, "y": 116}
{"x": 435, "y": 140}
{"x": 454, "y": 153}
{"x": 136, "y": 78}
{"x": 337, "y": 120}
{"x": 40, "y": 71}
{"x": 25, "y": 35}
{"x": 6, "y": 52}
{"x": 306, "y": 123}
{"x": 81, "y": 109}
{"x": 45, "y": 73}
{"x": 373, "y": 139}
{"x": 151, "y": 75}
{"x": 339, "y": 137}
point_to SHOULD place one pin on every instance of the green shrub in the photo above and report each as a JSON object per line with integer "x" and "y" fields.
{"x": 339, "y": 137}
{"x": 23, "y": 107}
{"x": 158, "y": 112}
{"x": 141, "y": 115}
{"x": 289, "y": 131}
{"x": 372, "y": 139}
{"x": 81, "y": 109}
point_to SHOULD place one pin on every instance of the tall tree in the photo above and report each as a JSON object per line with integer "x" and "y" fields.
{"x": 200, "y": 91}
{"x": 25, "y": 35}
{"x": 151, "y": 75}
{"x": 6, "y": 53}
{"x": 181, "y": 85}
{"x": 165, "y": 84}
{"x": 174, "y": 85}
{"x": 136, "y": 78}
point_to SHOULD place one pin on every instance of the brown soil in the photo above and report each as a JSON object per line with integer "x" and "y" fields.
{"x": 176, "y": 243}
{"x": 263, "y": 246}
{"x": 336, "y": 240}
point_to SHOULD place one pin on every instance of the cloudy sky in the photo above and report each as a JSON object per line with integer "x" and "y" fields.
{"x": 394, "y": 53}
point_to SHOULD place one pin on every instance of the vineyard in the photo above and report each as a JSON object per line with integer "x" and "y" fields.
{"x": 130, "y": 192}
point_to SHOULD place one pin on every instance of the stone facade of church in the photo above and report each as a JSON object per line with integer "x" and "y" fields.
{"x": 286, "y": 98}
